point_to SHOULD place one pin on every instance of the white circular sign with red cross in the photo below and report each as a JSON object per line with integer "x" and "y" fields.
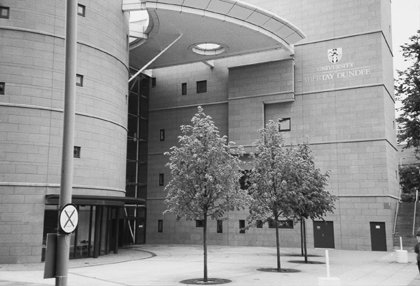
{"x": 69, "y": 217}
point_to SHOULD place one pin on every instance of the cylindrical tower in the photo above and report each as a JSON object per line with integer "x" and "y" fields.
{"x": 32, "y": 41}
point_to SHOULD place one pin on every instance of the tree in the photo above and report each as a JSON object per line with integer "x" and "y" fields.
{"x": 273, "y": 182}
{"x": 313, "y": 201}
{"x": 205, "y": 175}
{"x": 407, "y": 89}
{"x": 410, "y": 182}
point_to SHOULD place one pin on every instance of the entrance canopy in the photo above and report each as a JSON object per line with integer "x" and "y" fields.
{"x": 202, "y": 30}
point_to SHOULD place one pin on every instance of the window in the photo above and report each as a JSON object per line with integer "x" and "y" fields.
{"x": 199, "y": 223}
{"x": 259, "y": 224}
{"x": 79, "y": 80}
{"x": 4, "y": 12}
{"x": 162, "y": 135}
{"x": 281, "y": 223}
{"x": 2, "y": 88}
{"x": 76, "y": 152}
{"x": 153, "y": 82}
{"x": 219, "y": 226}
{"x": 241, "y": 226}
{"x": 160, "y": 225}
{"x": 284, "y": 124}
{"x": 184, "y": 88}
{"x": 202, "y": 86}
{"x": 161, "y": 179}
{"x": 81, "y": 10}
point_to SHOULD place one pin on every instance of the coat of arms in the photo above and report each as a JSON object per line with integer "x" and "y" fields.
{"x": 334, "y": 55}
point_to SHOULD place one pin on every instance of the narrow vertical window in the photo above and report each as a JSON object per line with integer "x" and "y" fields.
{"x": 2, "y": 88}
{"x": 4, "y": 12}
{"x": 241, "y": 226}
{"x": 79, "y": 80}
{"x": 81, "y": 10}
{"x": 76, "y": 152}
{"x": 162, "y": 135}
{"x": 184, "y": 88}
{"x": 153, "y": 82}
{"x": 202, "y": 86}
{"x": 219, "y": 226}
{"x": 284, "y": 124}
{"x": 259, "y": 224}
{"x": 160, "y": 225}
{"x": 161, "y": 179}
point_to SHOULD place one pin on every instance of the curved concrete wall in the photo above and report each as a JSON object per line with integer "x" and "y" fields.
{"x": 31, "y": 113}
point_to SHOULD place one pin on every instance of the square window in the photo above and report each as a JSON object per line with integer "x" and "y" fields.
{"x": 199, "y": 223}
{"x": 81, "y": 10}
{"x": 259, "y": 224}
{"x": 79, "y": 80}
{"x": 160, "y": 225}
{"x": 184, "y": 88}
{"x": 219, "y": 226}
{"x": 241, "y": 226}
{"x": 76, "y": 152}
{"x": 161, "y": 179}
{"x": 4, "y": 12}
{"x": 162, "y": 135}
{"x": 2, "y": 88}
{"x": 153, "y": 82}
{"x": 284, "y": 124}
{"x": 202, "y": 86}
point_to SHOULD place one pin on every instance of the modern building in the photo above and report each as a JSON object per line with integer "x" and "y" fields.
{"x": 322, "y": 69}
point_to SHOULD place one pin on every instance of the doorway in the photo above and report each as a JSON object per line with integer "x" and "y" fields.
{"x": 324, "y": 234}
{"x": 378, "y": 236}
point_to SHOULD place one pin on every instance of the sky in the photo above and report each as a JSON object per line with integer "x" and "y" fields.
{"x": 405, "y": 23}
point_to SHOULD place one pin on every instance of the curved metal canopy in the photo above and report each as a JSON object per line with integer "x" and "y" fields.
{"x": 238, "y": 28}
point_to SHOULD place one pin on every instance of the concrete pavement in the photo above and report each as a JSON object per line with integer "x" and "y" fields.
{"x": 166, "y": 265}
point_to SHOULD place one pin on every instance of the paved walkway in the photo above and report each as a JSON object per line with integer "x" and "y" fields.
{"x": 166, "y": 265}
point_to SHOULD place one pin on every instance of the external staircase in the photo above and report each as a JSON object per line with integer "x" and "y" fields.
{"x": 404, "y": 225}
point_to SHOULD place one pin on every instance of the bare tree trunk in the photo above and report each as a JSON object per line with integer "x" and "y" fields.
{"x": 304, "y": 240}
{"x": 205, "y": 246}
{"x": 301, "y": 237}
{"x": 277, "y": 244}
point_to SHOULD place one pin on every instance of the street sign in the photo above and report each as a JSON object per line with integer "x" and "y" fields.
{"x": 69, "y": 217}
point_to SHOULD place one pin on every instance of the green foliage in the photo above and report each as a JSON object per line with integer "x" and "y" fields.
{"x": 407, "y": 89}
{"x": 205, "y": 172}
{"x": 410, "y": 182}
{"x": 285, "y": 181}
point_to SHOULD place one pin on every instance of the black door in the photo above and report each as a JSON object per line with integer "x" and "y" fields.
{"x": 324, "y": 234}
{"x": 378, "y": 236}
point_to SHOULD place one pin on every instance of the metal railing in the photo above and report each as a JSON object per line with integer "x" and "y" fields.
{"x": 415, "y": 212}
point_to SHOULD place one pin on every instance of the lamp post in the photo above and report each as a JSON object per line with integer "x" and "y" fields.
{"x": 63, "y": 239}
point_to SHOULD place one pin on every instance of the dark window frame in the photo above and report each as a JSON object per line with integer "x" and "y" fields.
{"x": 160, "y": 225}
{"x": 282, "y": 223}
{"x": 199, "y": 223}
{"x": 2, "y": 88}
{"x": 241, "y": 226}
{"x": 184, "y": 88}
{"x": 79, "y": 79}
{"x": 259, "y": 224}
{"x": 161, "y": 179}
{"x": 77, "y": 151}
{"x": 219, "y": 223}
{"x": 81, "y": 12}
{"x": 7, "y": 14}
{"x": 201, "y": 86}
{"x": 285, "y": 120}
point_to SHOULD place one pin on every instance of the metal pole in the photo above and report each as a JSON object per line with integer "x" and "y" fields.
{"x": 63, "y": 240}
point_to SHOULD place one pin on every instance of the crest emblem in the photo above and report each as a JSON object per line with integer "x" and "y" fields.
{"x": 334, "y": 55}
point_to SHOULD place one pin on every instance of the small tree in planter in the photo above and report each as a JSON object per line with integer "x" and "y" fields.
{"x": 273, "y": 182}
{"x": 313, "y": 201}
{"x": 205, "y": 176}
